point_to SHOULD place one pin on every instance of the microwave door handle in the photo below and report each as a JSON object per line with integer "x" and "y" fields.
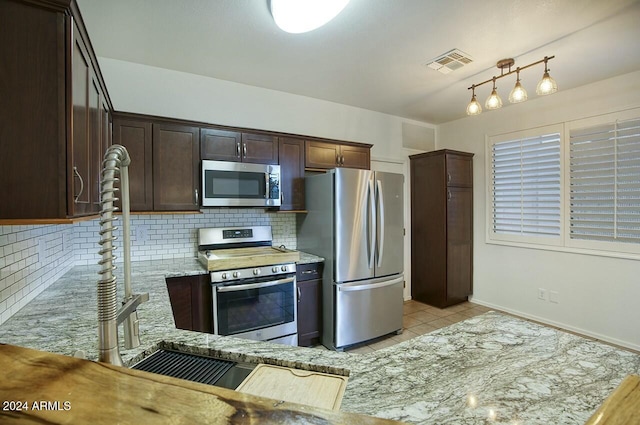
{"x": 266, "y": 186}
{"x": 234, "y": 288}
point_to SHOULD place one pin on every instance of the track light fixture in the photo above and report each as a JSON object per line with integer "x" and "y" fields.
{"x": 547, "y": 85}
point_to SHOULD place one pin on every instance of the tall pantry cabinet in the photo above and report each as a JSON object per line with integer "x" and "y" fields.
{"x": 441, "y": 227}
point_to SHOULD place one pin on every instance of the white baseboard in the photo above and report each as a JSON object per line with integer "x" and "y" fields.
{"x": 596, "y": 335}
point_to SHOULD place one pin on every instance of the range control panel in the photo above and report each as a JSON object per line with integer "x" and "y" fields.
{"x": 237, "y": 233}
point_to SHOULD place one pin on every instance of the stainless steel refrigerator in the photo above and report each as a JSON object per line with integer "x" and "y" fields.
{"x": 355, "y": 221}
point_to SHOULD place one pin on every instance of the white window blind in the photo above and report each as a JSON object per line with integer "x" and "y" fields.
{"x": 605, "y": 182}
{"x": 526, "y": 179}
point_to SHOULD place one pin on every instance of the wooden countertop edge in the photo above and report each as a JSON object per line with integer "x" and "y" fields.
{"x": 622, "y": 406}
{"x": 97, "y": 393}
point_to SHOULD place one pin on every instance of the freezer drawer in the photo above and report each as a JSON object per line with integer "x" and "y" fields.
{"x": 367, "y": 309}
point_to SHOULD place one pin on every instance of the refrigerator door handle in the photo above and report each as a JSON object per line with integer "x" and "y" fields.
{"x": 380, "y": 238}
{"x": 369, "y": 286}
{"x": 372, "y": 224}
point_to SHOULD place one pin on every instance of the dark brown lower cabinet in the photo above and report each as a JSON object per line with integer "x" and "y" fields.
{"x": 309, "y": 281}
{"x": 191, "y": 302}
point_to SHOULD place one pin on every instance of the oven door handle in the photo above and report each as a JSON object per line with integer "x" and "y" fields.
{"x": 233, "y": 288}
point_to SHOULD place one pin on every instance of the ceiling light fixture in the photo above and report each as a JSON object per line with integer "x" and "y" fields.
{"x": 298, "y": 16}
{"x": 474, "y": 107}
{"x": 546, "y": 86}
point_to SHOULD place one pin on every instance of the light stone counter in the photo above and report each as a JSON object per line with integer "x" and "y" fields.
{"x": 489, "y": 368}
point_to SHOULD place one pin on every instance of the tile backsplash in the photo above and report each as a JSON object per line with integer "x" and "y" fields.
{"x": 33, "y": 257}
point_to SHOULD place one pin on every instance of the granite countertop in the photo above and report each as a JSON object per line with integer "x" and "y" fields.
{"x": 492, "y": 366}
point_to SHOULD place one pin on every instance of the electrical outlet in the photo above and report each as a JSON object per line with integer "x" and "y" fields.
{"x": 553, "y": 297}
{"x": 542, "y": 294}
{"x": 142, "y": 234}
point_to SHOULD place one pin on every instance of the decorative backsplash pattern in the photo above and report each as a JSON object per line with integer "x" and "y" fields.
{"x": 33, "y": 257}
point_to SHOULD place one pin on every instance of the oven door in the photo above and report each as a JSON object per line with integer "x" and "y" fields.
{"x": 230, "y": 184}
{"x": 257, "y": 309}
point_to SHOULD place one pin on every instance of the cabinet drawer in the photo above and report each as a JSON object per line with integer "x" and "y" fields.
{"x": 459, "y": 170}
{"x": 309, "y": 271}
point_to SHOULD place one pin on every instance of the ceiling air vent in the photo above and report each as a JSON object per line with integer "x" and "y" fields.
{"x": 450, "y": 61}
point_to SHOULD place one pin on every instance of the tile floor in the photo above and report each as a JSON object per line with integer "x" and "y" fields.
{"x": 419, "y": 319}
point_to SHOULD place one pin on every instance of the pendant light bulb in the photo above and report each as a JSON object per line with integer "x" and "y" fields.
{"x": 518, "y": 94}
{"x": 474, "y": 107}
{"x": 547, "y": 85}
{"x": 493, "y": 101}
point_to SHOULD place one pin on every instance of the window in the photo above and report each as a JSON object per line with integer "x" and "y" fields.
{"x": 604, "y": 174}
{"x": 525, "y": 193}
{"x": 571, "y": 187}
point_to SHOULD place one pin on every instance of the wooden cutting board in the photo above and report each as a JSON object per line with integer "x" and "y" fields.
{"x": 294, "y": 385}
{"x": 239, "y": 258}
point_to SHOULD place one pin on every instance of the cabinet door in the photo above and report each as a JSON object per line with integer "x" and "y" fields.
{"x": 309, "y": 312}
{"x": 459, "y": 243}
{"x": 95, "y": 141}
{"x": 220, "y": 145}
{"x": 80, "y": 189}
{"x": 259, "y": 148}
{"x": 354, "y": 157}
{"x": 291, "y": 159}
{"x": 191, "y": 302}
{"x": 136, "y": 137}
{"x": 176, "y": 157}
{"x": 309, "y": 281}
{"x": 459, "y": 170}
{"x": 321, "y": 155}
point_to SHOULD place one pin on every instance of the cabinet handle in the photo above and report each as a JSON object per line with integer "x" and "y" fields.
{"x": 448, "y": 177}
{"x": 341, "y": 159}
{"x": 338, "y": 159}
{"x": 448, "y": 195}
{"x": 196, "y": 191}
{"x": 77, "y": 174}
{"x": 244, "y": 149}
{"x": 299, "y": 294}
{"x": 281, "y": 197}
{"x": 238, "y": 149}
{"x": 309, "y": 271}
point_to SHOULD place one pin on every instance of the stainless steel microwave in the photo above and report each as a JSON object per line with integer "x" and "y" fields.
{"x": 239, "y": 184}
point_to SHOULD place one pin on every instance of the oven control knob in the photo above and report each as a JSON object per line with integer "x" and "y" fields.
{"x": 256, "y": 272}
{"x": 224, "y": 275}
{"x": 236, "y": 274}
{"x": 284, "y": 268}
{"x": 274, "y": 269}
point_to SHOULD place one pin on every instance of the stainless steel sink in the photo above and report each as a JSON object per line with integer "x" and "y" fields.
{"x": 196, "y": 368}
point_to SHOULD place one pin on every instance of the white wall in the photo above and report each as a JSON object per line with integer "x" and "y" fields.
{"x": 599, "y": 296}
{"x": 157, "y": 91}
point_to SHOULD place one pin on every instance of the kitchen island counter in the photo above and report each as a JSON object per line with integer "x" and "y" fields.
{"x": 490, "y": 366}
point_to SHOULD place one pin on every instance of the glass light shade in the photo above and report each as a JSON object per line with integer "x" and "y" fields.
{"x": 518, "y": 94}
{"x": 298, "y": 16}
{"x": 547, "y": 85}
{"x": 493, "y": 101}
{"x": 474, "y": 107}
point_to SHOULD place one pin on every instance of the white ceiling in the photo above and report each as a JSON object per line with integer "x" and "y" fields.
{"x": 373, "y": 54}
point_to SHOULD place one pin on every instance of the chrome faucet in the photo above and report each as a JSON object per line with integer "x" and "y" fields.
{"x": 116, "y": 160}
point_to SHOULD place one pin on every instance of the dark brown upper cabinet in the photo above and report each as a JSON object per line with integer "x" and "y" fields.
{"x": 176, "y": 160}
{"x": 291, "y": 159}
{"x": 224, "y": 145}
{"x": 136, "y": 136}
{"x": 54, "y": 113}
{"x": 165, "y": 162}
{"x": 324, "y": 155}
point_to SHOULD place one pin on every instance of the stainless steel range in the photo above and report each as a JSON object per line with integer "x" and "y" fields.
{"x": 254, "y": 283}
